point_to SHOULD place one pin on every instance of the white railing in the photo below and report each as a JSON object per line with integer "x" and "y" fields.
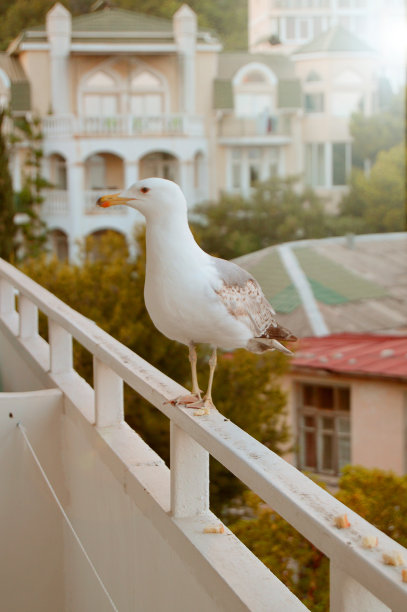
{"x": 91, "y": 208}
{"x": 360, "y": 581}
{"x": 56, "y": 202}
{"x": 123, "y": 125}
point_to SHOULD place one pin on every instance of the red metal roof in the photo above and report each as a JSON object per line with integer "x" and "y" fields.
{"x": 369, "y": 354}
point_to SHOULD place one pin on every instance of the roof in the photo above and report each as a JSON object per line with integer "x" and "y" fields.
{"x": 20, "y": 96}
{"x": 357, "y": 285}
{"x": 356, "y": 354}
{"x": 108, "y": 24}
{"x": 335, "y": 40}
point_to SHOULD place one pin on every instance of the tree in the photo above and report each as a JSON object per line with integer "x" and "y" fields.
{"x": 276, "y": 212}
{"x": 375, "y": 203}
{"x": 378, "y": 496}
{"x": 7, "y": 226}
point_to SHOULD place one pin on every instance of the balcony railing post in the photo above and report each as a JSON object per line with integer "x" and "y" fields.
{"x": 108, "y": 388}
{"x": 28, "y": 326}
{"x": 189, "y": 463}
{"x": 60, "y": 347}
{"x": 7, "y": 302}
{"x": 348, "y": 595}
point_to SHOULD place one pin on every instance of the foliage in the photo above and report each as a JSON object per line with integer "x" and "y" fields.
{"x": 378, "y": 496}
{"x": 375, "y": 203}
{"x": 107, "y": 287}
{"x": 7, "y": 227}
{"x": 276, "y": 212}
{"x": 375, "y": 133}
{"x": 32, "y": 234}
{"x": 227, "y": 18}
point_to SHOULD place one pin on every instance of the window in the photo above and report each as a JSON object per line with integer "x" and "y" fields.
{"x": 146, "y": 96}
{"x": 314, "y": 102}
{"x": 324, "y": 428}
{"x": 315, "y": 174}
{"x": 100, "y": 95}
{"x": 254, "y": 91}
{"x": 340, "y": 164}
{"x": 249, "y": 165}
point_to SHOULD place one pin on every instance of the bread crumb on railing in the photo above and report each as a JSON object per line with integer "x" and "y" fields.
{"x": 394, "y": 558}
{"x": 370, "y": 541}
{"x": 342, "y": 521}
{"x": 214, "y": 529}
{"x": 404, "y": 575}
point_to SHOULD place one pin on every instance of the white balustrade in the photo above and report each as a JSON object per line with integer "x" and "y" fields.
{"x": 360, "y": 581}
{"x": 28, "y": 320}
{"x": 56, "y": 202}
{"x": 123, "y": 125}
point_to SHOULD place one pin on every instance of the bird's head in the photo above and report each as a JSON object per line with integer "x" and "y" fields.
{"x": 152, "y": 197}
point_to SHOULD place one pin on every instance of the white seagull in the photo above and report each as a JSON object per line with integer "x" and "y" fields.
{"x": 191, "y": 296}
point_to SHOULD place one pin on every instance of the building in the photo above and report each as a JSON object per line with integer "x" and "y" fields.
{"x": 122, "y": 96}
{"x": 347, "y": 403}
{"x": 93, "y": 519}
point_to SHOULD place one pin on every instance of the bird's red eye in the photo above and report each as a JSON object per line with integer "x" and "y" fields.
{"x": 144, "y": 190}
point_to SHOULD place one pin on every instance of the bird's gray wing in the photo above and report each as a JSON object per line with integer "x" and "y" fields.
{"x": 243, "y": 298}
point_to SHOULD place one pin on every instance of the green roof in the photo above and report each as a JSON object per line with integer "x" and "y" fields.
{"x": 120, "y": 20}
{"x": 20, "y": 94}
{"x": 335, "y": 40}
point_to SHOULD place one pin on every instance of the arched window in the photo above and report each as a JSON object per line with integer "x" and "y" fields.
{"x": 100, "y": 95}
{"x": 163, "y": 165}
{"x": 4, "y": 90}
{"x": 146, "y": 94}
{"x": 254, "y": 90}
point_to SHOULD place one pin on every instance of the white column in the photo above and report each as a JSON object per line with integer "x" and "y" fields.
{"x": 76, "y": 203}
{"x": 59, "y": 26}
{"x": 131, "y": 173}
{"x": 185, "y": 30}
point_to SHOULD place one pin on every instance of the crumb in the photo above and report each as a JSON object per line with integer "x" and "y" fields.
{"x": 395, "y": 558}
{"x": 404, "y": 575}
{"x": 370, "y": 541}
{"x": 214, "y": 529}
{"x": 342, "y": 521}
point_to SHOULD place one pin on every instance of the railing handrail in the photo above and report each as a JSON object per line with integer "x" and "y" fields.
{"x": 307, "y": 507}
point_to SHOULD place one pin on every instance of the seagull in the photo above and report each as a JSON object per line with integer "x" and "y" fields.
{"x": 192, "y": 297}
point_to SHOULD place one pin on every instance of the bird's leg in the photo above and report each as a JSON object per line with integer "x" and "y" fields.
{"x": 194, "y": 398}
{"x": 207, "y": 403}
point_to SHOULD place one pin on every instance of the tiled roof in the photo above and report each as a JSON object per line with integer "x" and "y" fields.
{"x": 20, "y": 96}
{"x": 363, "y": 354}
{"x": 335, "y": 40}
{"x": 357, "y": 287}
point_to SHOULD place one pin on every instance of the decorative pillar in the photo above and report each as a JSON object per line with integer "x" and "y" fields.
{"x": 76, "y": 195}
{"x": 59, "y": 27}
{"x": 131, "y": 173}
{"x": 185, "y": 31}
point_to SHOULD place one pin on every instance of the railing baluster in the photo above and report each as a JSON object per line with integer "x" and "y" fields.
{"x": 189, "y": 464}
{"x": 28, "y": 326}
{"x": 348, "y": 595}
{"x": 108, "y": 388}
{"x": 7, "y": 302}
{"x": 60, "y": 346}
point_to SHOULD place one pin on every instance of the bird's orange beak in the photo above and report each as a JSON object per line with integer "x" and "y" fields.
{"x": 112, "y": 199}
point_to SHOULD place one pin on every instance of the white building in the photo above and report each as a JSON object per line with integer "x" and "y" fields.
{"x": 123, "y": 96}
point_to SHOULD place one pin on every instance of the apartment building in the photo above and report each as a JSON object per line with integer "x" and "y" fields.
{"x": 122, "y": 96}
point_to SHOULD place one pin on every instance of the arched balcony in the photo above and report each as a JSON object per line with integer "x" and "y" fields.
{"x": 104, "y": 173}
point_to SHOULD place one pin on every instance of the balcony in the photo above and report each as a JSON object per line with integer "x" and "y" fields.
{"x": 65, "y": 126}
{"x": 55, "y": 202}
{"x": 272, "y": 128}
{"x": 140, "y": 527}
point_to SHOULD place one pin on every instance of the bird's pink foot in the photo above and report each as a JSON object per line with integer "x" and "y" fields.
{"x": 186, "y": 400}
{"x": 203, "y": 407}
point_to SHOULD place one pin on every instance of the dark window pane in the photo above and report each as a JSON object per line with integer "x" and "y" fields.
{"x": 310, "y": 450}
{"x": 343, "y": 399}
{"x": 325, "y": 398}
{"x": 309, "y": 421}
{"x": 343, "y": 452}
{"x": 308, "y": 395}
{"x": 327, "y": 452}
{"x": 328, "y": 424}
{"x": 339, "y": 163}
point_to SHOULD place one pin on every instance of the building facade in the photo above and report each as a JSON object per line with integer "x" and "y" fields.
{"x": 123, "y": 96}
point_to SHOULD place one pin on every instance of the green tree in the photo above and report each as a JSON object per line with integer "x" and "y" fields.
{"x": 378, "y": 496}
{"x": 7, "y": 226}
{"x": 276, "y": 212}
{"x": 376, "y": 202}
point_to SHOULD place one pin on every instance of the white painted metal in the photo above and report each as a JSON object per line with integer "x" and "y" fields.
{"x": 108, "y": 388}
{"x": 7, "y": 301}
{"x": 347, "y": 595}
{"x": 189, "y": 464}
{"x": 301, "y": 502}
{"x": 294, "y": 270}
{"x": 28, "y": 320}
{"x": 60, "y": 346}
